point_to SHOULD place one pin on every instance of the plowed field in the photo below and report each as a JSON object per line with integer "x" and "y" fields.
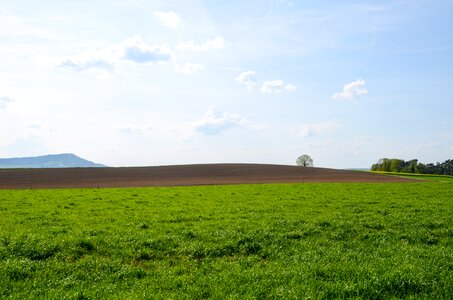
{"x": 203, "y": 174}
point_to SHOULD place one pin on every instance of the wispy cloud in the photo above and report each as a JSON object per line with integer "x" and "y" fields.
{"x": 215, "y": 122}
{"x": 11, "y": 25}
{"x": 24, "y": 145}
{"x": 267, "y": 87}
{"x": 275, "y": 87}
{"x": 135, "y": 129}
{"x": 135, "y": 50}
{"x": 129, "y": 130}
{"x": 285, "y": 2}
{"x": 247, "y": 79}
{"x": 4, "y": 100}
{"x": 361, "y": 142}
{"x": 132, "y": 50}
{"x": 88, "y": 60}
{"x": 169, "y": 18}
{"x": 189, "y": 68}
{"x": 209, "y": 44}
{"x": 101, "y": 62}
{"x": 351, "y": 91}
{"x": 317, "y": 129}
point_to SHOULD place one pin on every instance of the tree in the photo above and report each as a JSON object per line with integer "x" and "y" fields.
{"x": 386, "y": 165}
{"x": 396, "y": 165}
{"x": 304, "y": 161}
{"x": 413, "y": 166}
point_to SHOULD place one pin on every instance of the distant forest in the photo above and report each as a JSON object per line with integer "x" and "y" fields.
{"x": 413, "y": 166}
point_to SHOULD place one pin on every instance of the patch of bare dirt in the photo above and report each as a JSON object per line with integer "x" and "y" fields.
{"x": 203, "y": 174}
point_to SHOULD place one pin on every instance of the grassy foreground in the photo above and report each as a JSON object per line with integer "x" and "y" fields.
{"x": 288, "y": 241}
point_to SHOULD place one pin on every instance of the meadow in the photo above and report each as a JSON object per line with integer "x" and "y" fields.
{"x": 289, "y": 241}
{"x": 428, "y": 177}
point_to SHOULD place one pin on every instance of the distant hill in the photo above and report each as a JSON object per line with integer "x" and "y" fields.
{"x": 66, "y": 160}
{"x": 358, "y": 169}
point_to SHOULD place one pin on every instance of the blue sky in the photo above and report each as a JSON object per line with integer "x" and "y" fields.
{"x": 134, "y": 82}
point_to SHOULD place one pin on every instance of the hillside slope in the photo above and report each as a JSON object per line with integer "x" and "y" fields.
{"x": 180, "y": 175}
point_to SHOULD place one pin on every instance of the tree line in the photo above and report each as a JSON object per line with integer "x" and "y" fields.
{"x": 413, "y": 166}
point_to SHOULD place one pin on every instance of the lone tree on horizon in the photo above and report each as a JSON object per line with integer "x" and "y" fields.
{"x": 304, "y": 161}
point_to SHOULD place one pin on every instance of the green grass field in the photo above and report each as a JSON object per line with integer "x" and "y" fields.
{"x": 288, "y": 241}
{"x": 429, "y": 177}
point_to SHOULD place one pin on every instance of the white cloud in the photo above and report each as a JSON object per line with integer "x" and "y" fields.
{"x": 351, "y": 91}
{"x": 4, "y": 101}
{"x": 135, "y": 50}
{"x": 169, "y": 19}
{"x": 130, "y": 130}
{"x": 266, "y": 87}
{"x": 247, "y": 78}
{"x": 215, "y": 122}
{"x": 89, "y": 60}
{"x": 102, "y": 61}
{"x": 189, "y": 68}
{"x": 210, "y": 44}
{"x": 318, "y": 129}
{"x": 276, "y": 86}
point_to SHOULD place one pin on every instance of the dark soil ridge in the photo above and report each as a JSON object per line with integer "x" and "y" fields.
{"x": 180, "y": 175}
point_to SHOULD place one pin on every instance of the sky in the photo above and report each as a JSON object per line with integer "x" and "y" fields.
{"x": 141, "y": 82}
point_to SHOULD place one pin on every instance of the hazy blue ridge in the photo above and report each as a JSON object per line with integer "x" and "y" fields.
{"x": 66, "y": 160}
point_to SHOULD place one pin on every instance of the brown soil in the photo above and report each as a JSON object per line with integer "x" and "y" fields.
{"x": 206, "y": 174}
